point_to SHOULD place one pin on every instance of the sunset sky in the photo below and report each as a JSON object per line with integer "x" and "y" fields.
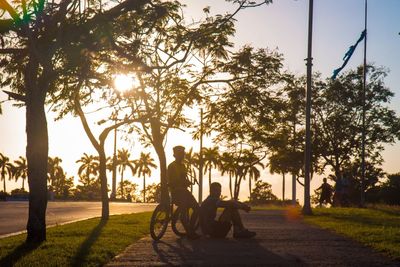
{"x": 283, "y": 26}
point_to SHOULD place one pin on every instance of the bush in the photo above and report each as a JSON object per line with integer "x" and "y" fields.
{"x": 19, "y": 194}
{"x": 3, "y": 195}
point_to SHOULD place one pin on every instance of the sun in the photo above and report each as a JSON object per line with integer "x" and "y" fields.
{"x": 125, "y": 82}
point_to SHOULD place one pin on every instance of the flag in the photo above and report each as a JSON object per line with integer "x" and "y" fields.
{"x": 348, "y": 55}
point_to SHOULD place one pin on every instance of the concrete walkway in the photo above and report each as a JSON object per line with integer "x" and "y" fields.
{"x": 282, "y": 240}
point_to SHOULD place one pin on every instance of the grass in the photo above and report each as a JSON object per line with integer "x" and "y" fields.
{"x": 271, "y": 207}
{"x": 85, "y": 243}
{"x": 377, "y": 227}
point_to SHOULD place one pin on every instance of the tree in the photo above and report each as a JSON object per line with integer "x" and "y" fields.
{"x": 127, "y": 188}
{"x": 60, "y": 185}
{"x": 211, "y": 161}
{"x": 192, "y": 162}
{"x": 6, "y": 170}
{"x": 389, "y": 190}
{"x": 143, "y": 167}
{"x": 279, "y": 163}
{"x": 153, "y": 193}
{"x": 227, "y": 165}
{"x": 262, "y": 193}
{"x": 21, "y": 170}
{"x": 245, "y": 160}
{"x": 54, "y": 169}
{"x": 253, "y": 174}
{"x": 286, "y": 144}
{"x": 34, "y": 38}
{"x": 89, "y": 166}
{"x": 123, "y": 162}
{"x": 337, "y": 123}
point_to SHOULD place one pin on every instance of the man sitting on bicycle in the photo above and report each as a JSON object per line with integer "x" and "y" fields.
{"x": 230, "y": 215}
{"x": 178, "y": 184}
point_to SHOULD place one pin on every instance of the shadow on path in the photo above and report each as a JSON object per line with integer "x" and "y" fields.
{"x": 210, "y": 252}
{"x": 18, "y": 253}
{"x": 83, "y": 251}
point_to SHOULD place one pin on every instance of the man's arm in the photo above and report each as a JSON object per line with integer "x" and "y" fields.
{"x": 233, "y": 204}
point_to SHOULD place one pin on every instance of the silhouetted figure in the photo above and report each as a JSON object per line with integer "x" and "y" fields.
{"x": 326, "y": 193}
{"x": 341, "y": 196}
{"x": 178, "y": 186}
{"x": 230, "y": 215}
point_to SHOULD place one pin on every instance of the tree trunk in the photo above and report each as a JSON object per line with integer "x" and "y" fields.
{"x": 230, "y": 185}
{"x": 249, "y": 188}
{"x": 294, "y": 189}
{"x": 159, "y": 148}
{"x": 23, "y": 184}
{"x": 36, "y": 154}
{"x": 144, "y": 188}
{"x": 238, "y": 187}
{"x": 234, "y": 187}
{"x": 99, "y": 146}
{"x": 4, "y": 185}
{"x": 163, "y": 171}
{"x": 122, "y": 183}
{"x": 209, "y": 178}
{"x": 105, "y": 208}
{"x": 283, "y": 186}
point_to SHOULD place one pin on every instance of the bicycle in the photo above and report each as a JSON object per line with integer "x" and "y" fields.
{"x": 162, "y": 216}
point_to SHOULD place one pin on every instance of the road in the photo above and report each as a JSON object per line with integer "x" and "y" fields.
{"x": 14, "y": 215}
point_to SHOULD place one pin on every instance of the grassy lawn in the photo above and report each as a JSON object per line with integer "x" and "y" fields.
{"x": 377, "y": 227}
{"x": 84, "y": 243}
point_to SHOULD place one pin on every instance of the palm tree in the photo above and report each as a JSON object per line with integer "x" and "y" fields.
{"x": 21, "y": 170}
{"x": 279, "y": 163}
{"x": 6, "y": 169}
{"x": 143, "y": 168}
{"x": 89, "y": 166}
{"x": 192, "y": 162}
{"x": 254, "y": 174}
{"x": 123, "y": 161}
{"x": 211, "y": 161}
{"x": 227, "y": 165}
{"x": 53, "y": 169}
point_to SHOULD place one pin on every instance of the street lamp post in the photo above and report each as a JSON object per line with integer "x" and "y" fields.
{"x": 307, "y": 168}
{"x": 122, "y": 84}
{"x": 114, "y": 168}
{"x": 201, "y": 159}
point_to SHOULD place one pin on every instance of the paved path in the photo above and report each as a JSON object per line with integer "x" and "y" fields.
{"x": 14, "y": 215}
{"x": 281, "y": 241}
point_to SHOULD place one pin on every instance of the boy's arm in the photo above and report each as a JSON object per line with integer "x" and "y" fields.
{"x": 233, "y": 204}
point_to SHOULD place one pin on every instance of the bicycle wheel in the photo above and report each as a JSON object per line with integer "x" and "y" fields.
{"x": 177, "y": 224}
{"x": 159, "y": 222}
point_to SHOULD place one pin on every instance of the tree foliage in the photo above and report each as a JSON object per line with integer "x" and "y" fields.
{"x": 337, "y": 122}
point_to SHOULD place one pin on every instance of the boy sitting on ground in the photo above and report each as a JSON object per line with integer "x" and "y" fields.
{"x": 230, "y": 215}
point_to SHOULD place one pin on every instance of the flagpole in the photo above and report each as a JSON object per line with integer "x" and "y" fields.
{"x": 201, "y": 159}
{"x": 362, "y": 202}
{"x": 307, "y": 152}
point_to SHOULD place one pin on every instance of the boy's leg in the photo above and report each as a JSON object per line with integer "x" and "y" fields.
{"x": 232, "y": 215}
{"x": 189, "y": 222}
{"x": 195, "y": 215}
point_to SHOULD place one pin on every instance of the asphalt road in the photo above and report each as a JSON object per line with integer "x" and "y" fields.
{"x": 14, "y": 215}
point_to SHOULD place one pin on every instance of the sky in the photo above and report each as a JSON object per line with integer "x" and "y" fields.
{"x": 283, "y": 26}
